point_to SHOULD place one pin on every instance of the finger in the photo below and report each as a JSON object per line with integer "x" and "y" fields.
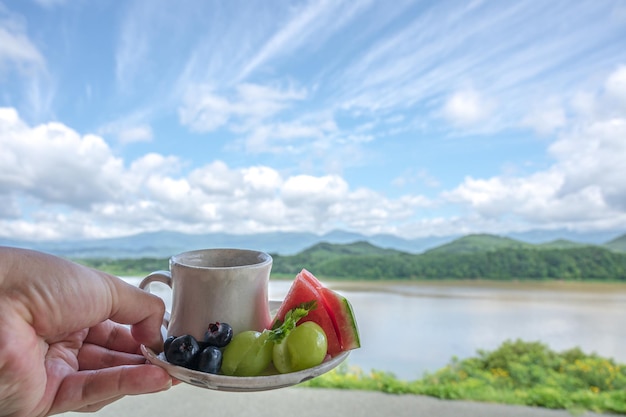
{"x": 93, "y": 356}
{"x": 112, "y": 336}
{"x": 87, "y": 297}
{"x": 140, "y": 309}
{"x": 92, "y": 408}
{"x": 87, "y": 388}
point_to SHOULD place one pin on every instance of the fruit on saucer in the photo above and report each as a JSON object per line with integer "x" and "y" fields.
{"x": 312, "y": 324}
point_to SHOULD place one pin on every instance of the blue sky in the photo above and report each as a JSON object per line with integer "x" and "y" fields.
{"x": 413, "y": 118}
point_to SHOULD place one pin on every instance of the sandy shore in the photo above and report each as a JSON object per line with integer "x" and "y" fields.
{"x": 309, "y": 402}
{"x": 548, "y": 285}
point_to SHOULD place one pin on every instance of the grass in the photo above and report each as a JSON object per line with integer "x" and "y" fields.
{"x": 518, "y": 372}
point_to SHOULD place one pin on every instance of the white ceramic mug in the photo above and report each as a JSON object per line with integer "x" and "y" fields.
{"x": 216, "y": 285}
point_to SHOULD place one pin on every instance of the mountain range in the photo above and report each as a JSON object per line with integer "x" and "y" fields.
{"x": 165, "y": 243}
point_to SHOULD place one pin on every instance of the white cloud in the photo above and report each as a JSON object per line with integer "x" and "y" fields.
{"x": 16, "y": 49}
{"x": 584, "y": 187}
{"x": 294, "y": 137}
{"x": 413, "y": 176}
{"x": 365, "y": 209}
{"x": 203, "y": 110}
{"x": 55, "y": 164}
{"x": 58, "y": 183}
{"x": 592, "y": 157}
{"x": 142, "y": 133}
{"x": 307, "y": 190}
{"x": 216, "y": 178}
{"x": 615, "y": 87}
{"x": 310, "y": 24}
{"x": 606, "y": 103}
{"x": 466, "y": 108}
{"x": 134, "y": 44}
{"x": 546, "y": 117}
{"x": 33, "y": 87}
{"x": 130, "y": 128}
{"x": 9, "y": 209}
{"x": 426, "y": 66}
{"x": 262, "y": 181}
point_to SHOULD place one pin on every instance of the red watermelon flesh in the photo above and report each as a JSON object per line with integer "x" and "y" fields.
{"x": 340, "y": 311}
{"x": 302, "y": 291}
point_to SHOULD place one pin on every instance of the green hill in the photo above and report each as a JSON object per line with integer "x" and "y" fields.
{"x": 323, "y": 253}
{"x": 561, "y": 244}
{"x": 471, "y": 257}
{"x": 356, "y": 248}
{"x": 617, "y": 244}
{"x": 478, "y": 243}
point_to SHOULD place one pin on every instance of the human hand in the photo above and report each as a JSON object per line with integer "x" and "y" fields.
{"x": 62, "y": 343}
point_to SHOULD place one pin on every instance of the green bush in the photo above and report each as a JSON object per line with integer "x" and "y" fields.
{"x": 518, "y": 372}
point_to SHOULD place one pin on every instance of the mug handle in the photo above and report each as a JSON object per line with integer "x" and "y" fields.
{"x": 164, "y": 277}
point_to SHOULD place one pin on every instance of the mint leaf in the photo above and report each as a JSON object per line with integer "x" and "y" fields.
{"x": 280, "y": 330}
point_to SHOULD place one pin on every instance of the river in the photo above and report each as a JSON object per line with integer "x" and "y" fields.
{"x": 412, "y": 328}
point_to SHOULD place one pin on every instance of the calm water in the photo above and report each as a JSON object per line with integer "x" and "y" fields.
{"x": 410, "y": 329}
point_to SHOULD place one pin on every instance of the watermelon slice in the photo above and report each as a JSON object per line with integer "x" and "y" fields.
{"x": 343, "y": 319}
{"x": 340, "y": 311}
{"x": 334, "y": 313}
{"x": 301, "y": 291}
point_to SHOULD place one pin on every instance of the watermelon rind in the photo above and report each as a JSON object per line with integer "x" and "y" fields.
{"x": 343, "y": 318}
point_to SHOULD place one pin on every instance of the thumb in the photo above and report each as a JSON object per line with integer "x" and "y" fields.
{"x": 139, "y": 308}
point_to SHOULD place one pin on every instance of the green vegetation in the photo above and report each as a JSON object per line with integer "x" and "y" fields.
{"x": 479, "y": 243}
{"x": 127, "y": 267}
{"x": 561, "y": 244}
{"x": 617, "y": 244}
{"x": 467, "y": 260}
{"x": 522, "y": 373}
{"x": 471, "y": 257}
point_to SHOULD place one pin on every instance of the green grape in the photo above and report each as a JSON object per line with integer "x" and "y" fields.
{"x": 304, "y": 347}
{"x": 248, "y": 354}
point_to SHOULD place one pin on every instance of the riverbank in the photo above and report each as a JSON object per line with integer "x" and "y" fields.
{"x": 400, "y": 286}
{"x": 549, "y": 291}
{"x": 517, "y": 373}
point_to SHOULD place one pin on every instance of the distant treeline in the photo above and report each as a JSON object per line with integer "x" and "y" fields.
{"x": 502, "y": 264}
{"x": 362, "y": 261}
{"x": 131, "y": 267}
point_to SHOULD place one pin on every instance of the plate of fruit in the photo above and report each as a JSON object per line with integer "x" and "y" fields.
{"x": 313, "y": 331}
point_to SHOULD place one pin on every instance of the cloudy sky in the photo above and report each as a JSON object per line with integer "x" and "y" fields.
{"x": 414, "y": 118}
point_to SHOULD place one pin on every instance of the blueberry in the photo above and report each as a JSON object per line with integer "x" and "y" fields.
{"x": 167, "y": 343}
{"x": 210, "y": 360}
{"x": 182, "y": 351}
{"x": 218, "y": 334}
